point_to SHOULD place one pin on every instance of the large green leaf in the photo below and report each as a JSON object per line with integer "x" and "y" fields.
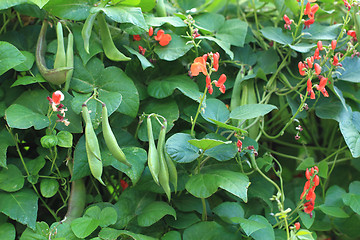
{"x": 122, "y": 14}
{"x": 208, "y": 231}
{"x": 11, "y": 179}
{"x": 41, "y": 232}
{"x": 224, "y": 45}
{"x": 206, "y": 184}
{"x": 222, "y": 152}
{"x": 136, "y": 156}
{"x": 49, "y": 187}
{"x": 233, "y": 31}
{"x": 180, "y": 149}
{"x": 352, "y": 198}
{"x": 4, "y": 4}
{"x": 250, "y": 111}
{"x": 172, "y": 235}
{"x": 165, "y": 87}
{"x": 322, "y": 32}
{"x": 174, "y": 50}
{"x": 264, "y": 233}
{"x": 76, "y": 10}
{"x": 110, "y": 234}
{"x": 333, "y": 211}
{"x": 209, "y": 21}
{"x": 154, "y": 212}
{"x": 108, "y": 216}
{"x": 10, "y": 57}
{"x": 183, "y": 220}
{"x": 350, "y": 71}
{"x": 81, "y": 166}
{"x": 206, "y": 144}
{"x": 84, "y": 226}
{"x": 228, "y": 210}
{"x": 249, "y": 226}
{"x": 27, "y": 64}
{"x": 166, "y": 108}
{"x": 21, "y": 206}
{"x": 216, "y": 110}
{"x": 159, "y": 21}
{"x": 29, "y": 110}
{"x": 277, "y": 35}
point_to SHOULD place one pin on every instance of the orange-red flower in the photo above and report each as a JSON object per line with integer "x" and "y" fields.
{"x": 220, "y": 83}
{"x": 288, "y": 22}
{"x": 162, "y": 38}
{"x": 136, "y": 37}
{"x": 317, "y": 68}
{"x": 301, "y": 67}
{"x": 198, "y": 66}
{"x": 297, "y": 225}
{"x": 333, "y": 44}
{"x": 320, "y": 46}
{"x": 124, "y": 184}
{"x": 308, "y": 22}
{"x": 209, "y": 85}
{"x": 317, "y": 53}
{"x": 309, "y": 189}
{"x": 142, "y": 50}
{"x": 216, "y": 57}
{"x": 151, "y": 31}
{"x": 352, "y": 33}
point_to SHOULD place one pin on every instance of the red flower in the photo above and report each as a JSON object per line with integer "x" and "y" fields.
{"x": 320, "y": 46}
{"x": 208, "y": 84}
{"x": 317, "y": 69}
{"x": 310, "y": 11}
{"x": 297, "y": 225}
{"x": 347, "y": 5}
{"x": 352, "y": 33}
{"x": 308, "y": 22}
{"x": 312, "y": 94}
{"x": 317, "y": 53}
{"x": 301, "y": 67}
{"x": 198, "y": 66}
{"x": 307, "y": 174}
{"x": 162, "y": 38}
{"x": 216, "y": 57}
{"x": 309, "y": 207}
{"x": 142, "y": 50}
{"x": 333, "y": 44}
{"x": 55, "y": 100}
{"x": 124, "y": 185}
{"x": 239, "y": 145}
{"x": 336, "y": 61}
{"x": 220, "y": 83}
{"x": 288, "y": 22}
{"x": 322, "y": 84}
{"x": 310, "y": 61}
{"x": 136, "y": 37}
{"x": 151, "y": 31}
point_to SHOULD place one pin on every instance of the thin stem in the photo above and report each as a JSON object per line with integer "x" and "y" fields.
{"x": 197, "y": 113}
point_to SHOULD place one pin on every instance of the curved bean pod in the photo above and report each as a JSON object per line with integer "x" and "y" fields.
{"x": 164, "y": 171}
{"x": 153, "y": 156}
{"x": 110, "y": 139}
{"x": 60, "y": 57}
{"x": 86, "y": 30}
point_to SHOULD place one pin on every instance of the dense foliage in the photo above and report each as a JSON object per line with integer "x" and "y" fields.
{"x": 179, "y": 119}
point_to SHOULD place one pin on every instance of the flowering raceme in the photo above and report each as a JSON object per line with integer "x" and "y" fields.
{"x": 57, "y": 106}
{"x": 200, "y": 66}
{"x": 309, "y": 189}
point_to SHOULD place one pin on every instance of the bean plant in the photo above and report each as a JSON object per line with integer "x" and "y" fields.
{"x": 178, "y": 119}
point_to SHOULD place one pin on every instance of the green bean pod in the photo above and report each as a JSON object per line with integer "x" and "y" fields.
{"x": 60, "y": 57}
{"x": 153, "y": 156}
{"x": 92, "y": 146}
{"x": 109, "y": 47}
{"x": 69, "y": 60}
{"x": 171, "y": 166}
{"x": 110, "y": 139}
{"x": 160, "y": 8}
{"x": 87, "y": 29}
{"x": 164, "y": 171}
{"x": 357, "y": 24}
{"x": 55, "y": 76}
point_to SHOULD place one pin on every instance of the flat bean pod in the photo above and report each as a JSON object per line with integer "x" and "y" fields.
{"x": 60, "y": 57}
{"x": 153, "y": 156}
{"x": 87, "y": 29}
{"x": 164, "y": 171}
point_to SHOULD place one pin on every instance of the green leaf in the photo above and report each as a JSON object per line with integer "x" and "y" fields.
{"x": 65, "y": 139}
{"x": 29, "y": 110}
{"x": 306, "y": 219}
{"x": 5, "y": 141}
{"x": 352, "y": 199}
{"x": 307, "y": 163}
{"x": 81, "y": 166}
{"x": 26, "y": 80}
{"x": 27, "y": 64}
{"x": 64, "y": 231}
{"x": 122, "y": 14}
{"x": 84, "y": 226}
{"x": 224, "y": 45}
{"x": 10, "y": 57}
{"x": 206, "y": 144}
{"x": 76, "y": 10}
{"x": 248, "y": 225}
{"x": 264, "y": 233}
{"x": 165, "y": 87}
{"x": 180, "y": 150}
{"x": 183, "y": 220}
{"x": 7, "y": 231}
{"x": 40, "y": 232}
{"x": 323, "y": 169}
{"x": 215, "y": 109}
{"x": 108, "y": 216}
{"x": 49, "y": 187}
{"x": 321, "y": 32}
{"x": 10, "y": 3}
{"x": 154, "y": 212}
{"x": 110, "y": 234}
{"x": 210, "y": 22}
{"x": 222, "y": 152}
{"x": 304, "y": 234}
{"x": 228, "y": 210}
{"x": 250, "y": 111}
{"x": 143, "y": 60}
{"x": 159, "y": 21}
{"x": 21, "y": 206}
{"x": 137, "y": 157}
{"x": 333, "y": 211}
{"x": 350, "y": 70}
{"x": 206, "y": 184}
{"x": 172, "y": 235}
{"x": 164, "y": 107}
{"x": 226, "y": 126}
{"x": 208, "y": 231}
{"x": 174, "y": 50}
{"x": 147, "y": 5}
{"x": 277, "y": 35}
{"x": 233, "y": 31}
{"x": 11, "y": 179}
{"x": 350, "y": 133}
{"x": 302, "y": 47}
{"x": 334, "y": 196}
{"x": 40, "y": 3}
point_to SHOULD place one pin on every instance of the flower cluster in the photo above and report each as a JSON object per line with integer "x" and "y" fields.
{"x": 288, "y": 22}
{"x": 347, "y": 5}
{"x": 309, "y": 189}
{"x": 57, "y": 106}
{"x": 310, "y": 12}
{"x": 161, "y": 37}
{"x": 200, "y": 65}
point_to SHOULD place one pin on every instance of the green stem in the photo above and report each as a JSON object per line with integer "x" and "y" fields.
{"x": 192, "y": 133}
